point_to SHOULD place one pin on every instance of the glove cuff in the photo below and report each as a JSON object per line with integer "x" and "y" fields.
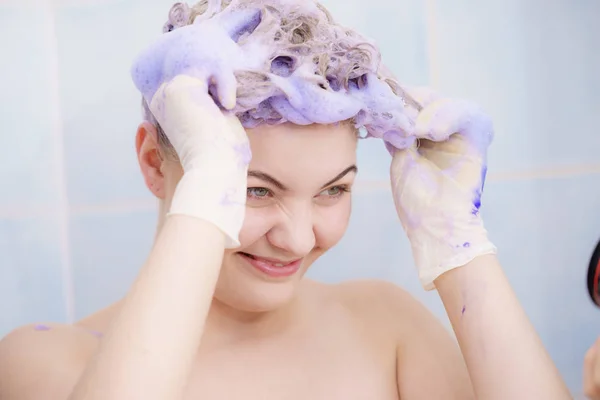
{"x": 211, "y": 196}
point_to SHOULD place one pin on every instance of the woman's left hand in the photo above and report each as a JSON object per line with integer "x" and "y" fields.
{"x": 437, "y": 185}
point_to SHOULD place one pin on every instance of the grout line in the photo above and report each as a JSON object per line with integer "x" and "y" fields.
{"x": 62, "y": 211}
{"x": 566, "y": 171}
{"x": 149, "y": 204}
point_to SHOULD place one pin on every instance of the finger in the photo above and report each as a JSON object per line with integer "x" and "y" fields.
{"x": 457, "y": 159}
{"x": 226, "y": 87}
{"x": 415, "y": 180}
{"x": 391, "y": 149}
{"x": 440, "y": 119}
{"x": 591, "y": 386}
{"x": 396, "y": 140}
{"x": 423, "y": 95}
{"x": 403, "y": 160}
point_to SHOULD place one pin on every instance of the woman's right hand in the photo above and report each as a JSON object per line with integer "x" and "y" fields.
{"x": 175, "y": 75}
{"x": 214, "y": 152}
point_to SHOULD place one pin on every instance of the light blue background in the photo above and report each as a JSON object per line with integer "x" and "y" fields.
{"x": 76, "y": 221}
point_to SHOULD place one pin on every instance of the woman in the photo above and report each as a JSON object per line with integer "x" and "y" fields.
{"x": 220, "y": 310}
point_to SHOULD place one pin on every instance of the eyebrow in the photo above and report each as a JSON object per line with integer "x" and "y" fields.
{"x": 268, "y": 178}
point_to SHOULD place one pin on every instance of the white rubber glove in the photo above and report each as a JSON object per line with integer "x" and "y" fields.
{"x": 214, "y": 153}
{"x": 174, "y": 75}
{"x": 437, "y": 187}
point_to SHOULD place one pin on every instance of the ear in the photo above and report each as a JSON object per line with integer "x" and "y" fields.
{"x": 150, "y": 158}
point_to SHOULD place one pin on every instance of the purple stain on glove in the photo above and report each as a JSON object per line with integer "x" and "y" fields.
{"x": 476, "y": 202}
{"x": 483, "y": 176}
{"x": 229, "y": 198}
{"x": 244, "y": 154}
{"x": 478, "y": 193}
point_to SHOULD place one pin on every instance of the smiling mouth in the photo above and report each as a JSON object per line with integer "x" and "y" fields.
{"x": 264, "y": 260}
{"x": 273, "y": 268}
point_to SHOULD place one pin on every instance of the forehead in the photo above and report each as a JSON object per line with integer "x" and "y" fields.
{"x": 292, "y": 151}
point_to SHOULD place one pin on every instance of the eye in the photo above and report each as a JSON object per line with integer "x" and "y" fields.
{"x": 258, "y": 193}
{"x": 335, "y": 191}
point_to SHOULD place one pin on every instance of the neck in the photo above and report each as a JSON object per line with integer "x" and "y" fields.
{"x": 226, "y": 325}
{"x": 163, "y": 209}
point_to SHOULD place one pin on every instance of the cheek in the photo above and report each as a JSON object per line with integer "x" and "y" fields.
{"x": 330, "y": 224}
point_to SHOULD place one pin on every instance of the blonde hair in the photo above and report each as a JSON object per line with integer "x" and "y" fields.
{"x": 300, "y": 33}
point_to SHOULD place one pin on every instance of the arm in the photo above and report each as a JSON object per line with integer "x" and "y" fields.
{"x": 505, "y": 357}
{"x": 44, "y": 364}
{"x": 437, "y": 191}
{"x": 156, "y": 334}
{"x": 426, "y": 350}
{"x": 150, "y": 348}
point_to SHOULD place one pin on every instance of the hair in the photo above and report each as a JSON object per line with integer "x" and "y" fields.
{"x": 299, "y": 33}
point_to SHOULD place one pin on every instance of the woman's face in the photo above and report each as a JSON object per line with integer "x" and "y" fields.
{"x": 298, "y": 207}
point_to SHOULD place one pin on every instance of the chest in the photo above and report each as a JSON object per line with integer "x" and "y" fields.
{"x": 314, "y": 368}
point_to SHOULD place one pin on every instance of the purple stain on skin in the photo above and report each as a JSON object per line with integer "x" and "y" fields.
{"x": 41, "y": 328}
{"x": 462, "y": 312}
{"x": 466, "y": 245}
{"x": 99, "y": 335}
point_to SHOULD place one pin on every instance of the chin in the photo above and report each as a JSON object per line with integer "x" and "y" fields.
{"x": 251, "y": 284}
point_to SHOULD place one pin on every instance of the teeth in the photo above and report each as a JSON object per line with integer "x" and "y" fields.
{"x": 265, "y": 261}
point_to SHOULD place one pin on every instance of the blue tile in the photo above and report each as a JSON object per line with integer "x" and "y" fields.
{"x": 101, "y": 114}
{"x": 545, "y": 231}
{"x": 100, "y": 105}
{"x": 375, "y": 247}
{"x": 26, "y": 109}
{"x": 533, "y": 67}
{"x": 108, "y": 250}
{"x": 31, "y": 286}
{"x": 400, "y": 32}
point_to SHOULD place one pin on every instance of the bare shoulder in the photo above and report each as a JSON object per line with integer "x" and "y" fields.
{"x": 424, "y": 347}
{"x": 43, "y": 361}
{"x": 381, "y": 300}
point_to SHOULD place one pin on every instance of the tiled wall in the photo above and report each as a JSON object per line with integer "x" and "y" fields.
{"x": 76, "y": 221}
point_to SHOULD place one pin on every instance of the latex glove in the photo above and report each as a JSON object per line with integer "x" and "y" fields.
{"x": 437, "y": 187}
{"x": 591, "y": 372}
{"x": 175, "y": 75}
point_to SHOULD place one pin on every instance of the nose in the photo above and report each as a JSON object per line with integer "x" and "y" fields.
{"x": 294, "y": 232}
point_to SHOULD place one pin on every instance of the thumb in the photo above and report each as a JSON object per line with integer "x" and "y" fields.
{"x": 416, "y": 183}
{"x": 412, "y": 174}
{"x": 403, "y": 160}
